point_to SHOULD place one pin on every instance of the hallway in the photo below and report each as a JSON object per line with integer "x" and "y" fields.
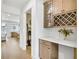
{"x": 11, "y": 50}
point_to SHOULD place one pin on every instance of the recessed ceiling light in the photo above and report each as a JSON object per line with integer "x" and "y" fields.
{"x": 8, "y": 14}
{"x": 3, "y": 24}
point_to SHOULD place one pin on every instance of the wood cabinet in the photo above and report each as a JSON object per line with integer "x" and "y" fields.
{"x": 57, "y": 6}
{"x": 48, "y": 50}
{"x": 63, "y": 5}
{"x": 56, "y": 9}
{"x": 69, "y": 5}
{"x": 75, "y": 53}
{"x": 44, "y": 52}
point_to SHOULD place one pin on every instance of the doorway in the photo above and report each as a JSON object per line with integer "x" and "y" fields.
{"x": 28, "y": 32}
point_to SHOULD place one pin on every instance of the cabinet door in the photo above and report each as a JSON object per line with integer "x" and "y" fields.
{"x": 69, "y": 5}
{"x": 66, "y": 5}
{"x": 54, "y": 51}
{"x": 57, "y": 6}
{"x": 46, "y": 21}
{"x": 48, "y": 51}
{"x": 51, "y": 7}
{"x": 44, "y": 52}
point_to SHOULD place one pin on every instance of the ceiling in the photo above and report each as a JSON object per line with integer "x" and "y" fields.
{"x": 11, "y": 9}
{"x": 15, "y": 3}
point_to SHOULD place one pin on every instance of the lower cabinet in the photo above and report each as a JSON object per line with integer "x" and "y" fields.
{"x": 48, "y": 50}
{"x": 75, "y": 53}
{"x": 44, "y": 52}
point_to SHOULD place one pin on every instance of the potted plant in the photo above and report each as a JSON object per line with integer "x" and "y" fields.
{"x": 65, "y": 32}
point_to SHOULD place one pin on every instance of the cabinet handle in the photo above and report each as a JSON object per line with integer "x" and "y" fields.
{"x": 48, "y": 48}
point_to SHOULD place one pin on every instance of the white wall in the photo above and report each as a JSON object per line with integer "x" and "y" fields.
{"x": 22, "y": 41}
{"x": 23, "y": 29}
{"x": 38, "y": 31}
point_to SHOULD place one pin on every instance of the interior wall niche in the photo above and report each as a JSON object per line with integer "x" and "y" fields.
{"x": 60, "y": 13}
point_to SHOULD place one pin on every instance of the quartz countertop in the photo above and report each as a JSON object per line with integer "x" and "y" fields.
{"x": 70, "y": 43}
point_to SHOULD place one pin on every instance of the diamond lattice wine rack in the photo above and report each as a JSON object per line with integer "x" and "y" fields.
{"x": 60, "y": 13}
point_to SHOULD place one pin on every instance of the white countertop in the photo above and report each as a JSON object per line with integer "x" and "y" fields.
{"x": 70, "y": 43}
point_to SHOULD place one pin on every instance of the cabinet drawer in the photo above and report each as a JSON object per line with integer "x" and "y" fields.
{"x": 45, "y": 43}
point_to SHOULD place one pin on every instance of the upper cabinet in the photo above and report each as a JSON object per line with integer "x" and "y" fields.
{"x": 69, "y": 5}
{"x": 59, "y": 13}
{"x": 57, "y": 6}
{"x": 60, "y": 6}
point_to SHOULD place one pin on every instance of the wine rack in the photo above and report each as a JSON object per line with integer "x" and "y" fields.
{"x": 64, "y": 19}
{"x": 55, "y": 16}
